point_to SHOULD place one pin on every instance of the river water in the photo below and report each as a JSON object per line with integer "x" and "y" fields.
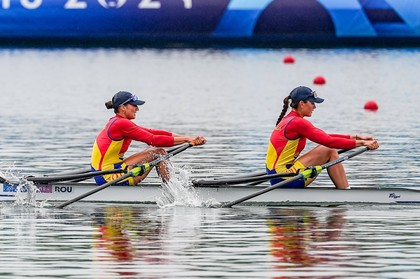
{"x": 52, "y": 107}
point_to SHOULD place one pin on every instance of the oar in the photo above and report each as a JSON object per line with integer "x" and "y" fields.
{"x": 71, "y": 177}
{"x": 135, "y": 171}
{"x": 246, "y": 179}
{"x": 83, "y": 174}
{"x": 254, "y": 174}
{"x": 307, "y": 173}
{"x": 258, "y": 176}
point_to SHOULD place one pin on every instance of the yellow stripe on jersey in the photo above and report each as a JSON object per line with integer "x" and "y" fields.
{"x": 112, "y": 156}
{"x": 286, "y": 156}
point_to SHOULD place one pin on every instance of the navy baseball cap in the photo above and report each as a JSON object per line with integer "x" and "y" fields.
{"x": 124, "y": 97}
{"x": 303, "y": 93}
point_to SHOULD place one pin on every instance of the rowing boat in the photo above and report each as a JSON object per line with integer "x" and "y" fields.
{"x": 216, "y": 192}
{"x": 150, "y": 193}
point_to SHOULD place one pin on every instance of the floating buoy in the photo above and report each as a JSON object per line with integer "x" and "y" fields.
{"x": 289, "y": 59}
{"x": 319, "y": 80}
{"x": 371, "y": 105}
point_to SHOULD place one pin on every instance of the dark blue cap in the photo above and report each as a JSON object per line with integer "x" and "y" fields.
{"x": 303, "y": 93}
{"x": 124, "y": 97}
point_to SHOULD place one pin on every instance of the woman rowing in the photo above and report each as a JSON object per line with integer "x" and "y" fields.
{"x": 289, "y": 138}
{"x": 113, "y": 141}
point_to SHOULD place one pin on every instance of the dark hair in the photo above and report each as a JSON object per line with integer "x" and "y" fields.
{"x": 109, "y": 105}
{"x": 285, "y": 106}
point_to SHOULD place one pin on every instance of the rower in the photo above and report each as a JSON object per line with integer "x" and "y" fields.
{"x": 113, "y": 141}
{"x": 288, "y": 139}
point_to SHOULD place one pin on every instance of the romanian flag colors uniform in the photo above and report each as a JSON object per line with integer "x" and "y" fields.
{"x": 113, "y": 141}
{"x": 289, "y": 139}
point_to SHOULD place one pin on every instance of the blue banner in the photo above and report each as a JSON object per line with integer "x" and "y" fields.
{"x": 207, "y": 20}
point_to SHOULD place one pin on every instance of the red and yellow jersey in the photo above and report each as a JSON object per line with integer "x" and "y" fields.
{"x": 289, "y": 139}
{"x": 113, "y": 141}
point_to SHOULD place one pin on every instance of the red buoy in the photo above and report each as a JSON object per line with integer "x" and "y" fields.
{"x": 371, "y": 105}
{"x": 289, "y": 59}
{"x": 319, "y": 80}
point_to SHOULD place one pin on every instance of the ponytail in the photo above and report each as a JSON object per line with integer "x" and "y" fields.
{"x": 283, "y": 112}
{"x": 110, "y": 105}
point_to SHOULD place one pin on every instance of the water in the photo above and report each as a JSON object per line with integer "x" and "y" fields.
{"x": 52, "y": 107}
{"x": 128, "y": 241}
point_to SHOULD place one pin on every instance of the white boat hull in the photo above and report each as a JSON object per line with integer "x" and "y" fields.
{"x": 150, "y": 193}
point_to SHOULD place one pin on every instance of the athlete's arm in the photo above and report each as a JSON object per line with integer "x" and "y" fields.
{"x": 302, "y": 127}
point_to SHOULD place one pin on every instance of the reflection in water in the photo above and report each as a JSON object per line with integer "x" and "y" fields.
{"x": 132, "y": 241}
{"x": 114, "y": 235}
{"x": 125, "y": 236}
{"x": 133, "y": 238}
{"x": 295, "y": 234}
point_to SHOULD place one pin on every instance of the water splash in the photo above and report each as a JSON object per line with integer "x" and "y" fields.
{"x": 10, "y": 173}
{"x": 178, "y": 191}
{"x": 25, "y": 191}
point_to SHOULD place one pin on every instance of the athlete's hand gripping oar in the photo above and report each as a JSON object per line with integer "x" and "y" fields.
{"x": 255, "y": 178}
{"x": 84, "y": 174}
{"x": 135, "y": 171}
{"x": 307, "y": 173}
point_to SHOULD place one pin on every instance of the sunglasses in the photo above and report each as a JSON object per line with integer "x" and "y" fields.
{"x": 313, "y": 94}
{"x": 131, "y": 99}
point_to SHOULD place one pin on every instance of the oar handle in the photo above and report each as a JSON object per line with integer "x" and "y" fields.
{"x": 140, "y": 169}
{"x": 179, "y": 149}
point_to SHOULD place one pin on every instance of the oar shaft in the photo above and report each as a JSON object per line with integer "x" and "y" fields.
{"x": 60, "y": 178}
{"x": 265, "y": 190}
{"x": 305, "y": 174}
{"x": 169, "y": 155}
{"x": 94, "y": 190}
{"x": 344, "y": 158}
{"x": 233, "y": 181}
{"x": 344, "y": 150}
{"x": 254, "y": 174}
{"x": 176, "y": 147}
